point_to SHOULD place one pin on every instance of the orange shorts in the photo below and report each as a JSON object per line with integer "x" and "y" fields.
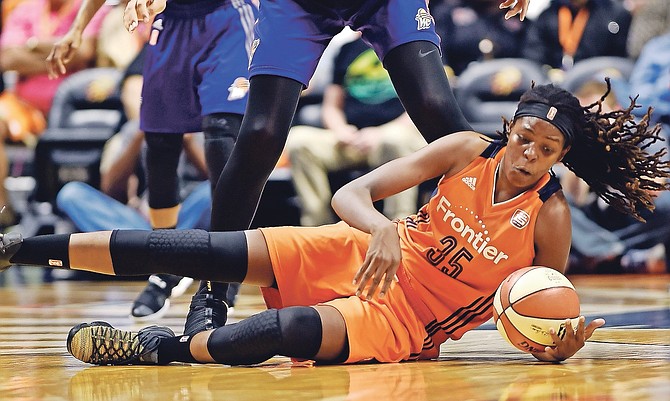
{"x": 316, "y": 265}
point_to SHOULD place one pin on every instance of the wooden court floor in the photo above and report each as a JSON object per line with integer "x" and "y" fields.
{"x": 629, "y": 359}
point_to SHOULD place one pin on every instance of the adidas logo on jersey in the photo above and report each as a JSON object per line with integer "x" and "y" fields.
{"x": 470, "y": 181}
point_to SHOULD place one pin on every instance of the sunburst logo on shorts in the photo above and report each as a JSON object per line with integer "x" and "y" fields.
{"x": 238, "y": 89}
{"x": 520, "y": 219}
{"x": 423, "y": 19}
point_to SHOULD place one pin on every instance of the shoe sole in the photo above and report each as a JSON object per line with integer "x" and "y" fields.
{"x": 181, "y": 288}
{"x": 154, "y": 316}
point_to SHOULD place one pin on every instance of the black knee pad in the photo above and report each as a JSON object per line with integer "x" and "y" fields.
{"x": 295, "y": 332}
{"x": 194, "y": 253}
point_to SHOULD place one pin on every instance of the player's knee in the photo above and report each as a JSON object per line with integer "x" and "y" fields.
{"x": 301, "y": 331}
{"x": 262, "y": 134}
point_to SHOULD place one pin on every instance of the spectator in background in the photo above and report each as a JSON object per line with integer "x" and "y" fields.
{"x": 651, "y": 18}
{"x": 29, "y": 30}
{"x": 650, "y": 79}
{"x": 475, "y": 30}
{"x": 572, "y": 30}
{"x": 605, "y": 240}
{"x": 28, "y": 35}
{"x": 365, "y": 126}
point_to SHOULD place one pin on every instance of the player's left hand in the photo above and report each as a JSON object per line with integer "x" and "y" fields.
{"x": 515, "y": 7}
{"x": 572, "y": 342}
{"x": 141, "y": 11}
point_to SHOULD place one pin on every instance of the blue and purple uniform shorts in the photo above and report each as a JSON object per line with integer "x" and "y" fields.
{"x": 291, "y": 35}
{"x": 196, "y": 64}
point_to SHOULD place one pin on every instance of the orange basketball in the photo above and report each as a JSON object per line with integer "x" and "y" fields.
{"x": 529, "y": 302}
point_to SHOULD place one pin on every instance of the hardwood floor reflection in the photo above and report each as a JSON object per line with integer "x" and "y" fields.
{"x": 629, "y": 359}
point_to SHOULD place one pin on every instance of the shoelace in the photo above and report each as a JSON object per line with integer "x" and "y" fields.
{"x": 113, "y": 345}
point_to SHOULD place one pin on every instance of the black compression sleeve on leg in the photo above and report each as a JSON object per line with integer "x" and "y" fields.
{"x": 421, "y": 83}
{"x": 294, "y": 332}
{"x": 162, "y": 158}
{"x": 192, "y": 253}
{"x": 221, "y": 130}
{"x": 44, "y": 250}
{"x": 272, "y": 104}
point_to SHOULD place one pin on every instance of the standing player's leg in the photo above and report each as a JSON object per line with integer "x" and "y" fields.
{"x": 221, "y": 70}
{"x": 209, "y": 306}
{"x": 162, "y": 157}
{"x": 287, "y": 45}
{"x": 270, "y": 110}
{"x": 409, "y": 49}
{"x": 421, "y": 83}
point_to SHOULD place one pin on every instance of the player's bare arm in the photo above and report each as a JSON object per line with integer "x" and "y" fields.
{"x": 354, "y": 202}
{"x": 65, "y": 48}
{"x": 553, "y": 233}
{"x": 552, "y": 238}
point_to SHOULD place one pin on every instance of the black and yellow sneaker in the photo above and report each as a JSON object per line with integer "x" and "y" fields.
{"x": 99, "y": 343}
{"x": 208, "y": 310}
{"x": 9, "y": 244}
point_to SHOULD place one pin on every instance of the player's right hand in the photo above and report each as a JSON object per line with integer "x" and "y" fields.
{"x": 141, "y": 11}
{"x": 62, "y": 52}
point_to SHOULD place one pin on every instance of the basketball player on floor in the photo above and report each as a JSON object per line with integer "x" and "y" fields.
{"x": 497, "y": 208}
{"x": 195, "y": 79}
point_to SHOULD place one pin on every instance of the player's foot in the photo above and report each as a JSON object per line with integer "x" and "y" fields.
{"x": 154, "y": 301}
{"x": 207, "y": 311}
{"x": 99, "y": 343}
{"x": 9, "y": 245}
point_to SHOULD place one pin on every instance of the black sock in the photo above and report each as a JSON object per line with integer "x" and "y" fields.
{"x": 44, "y": 250}
{"x": 175, "y": 349}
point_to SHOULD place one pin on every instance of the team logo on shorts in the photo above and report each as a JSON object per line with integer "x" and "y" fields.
{"x": 238, "y": 89}
{"x": 520, "y": 219}
{"x": 423, "y": 19}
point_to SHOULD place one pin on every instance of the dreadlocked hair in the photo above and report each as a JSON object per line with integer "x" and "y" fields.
{"x": 609, "y": 151}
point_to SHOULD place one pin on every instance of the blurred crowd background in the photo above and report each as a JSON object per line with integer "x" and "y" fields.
{"x": 82, "y": 128}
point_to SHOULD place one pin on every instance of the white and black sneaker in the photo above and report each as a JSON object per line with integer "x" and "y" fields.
{"x": 154, "y": 301}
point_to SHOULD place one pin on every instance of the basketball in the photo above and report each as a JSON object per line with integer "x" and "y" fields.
{"x": 529, "y": 302}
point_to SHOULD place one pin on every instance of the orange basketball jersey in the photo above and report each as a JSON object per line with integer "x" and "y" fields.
{"x": 461, "y": 245}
